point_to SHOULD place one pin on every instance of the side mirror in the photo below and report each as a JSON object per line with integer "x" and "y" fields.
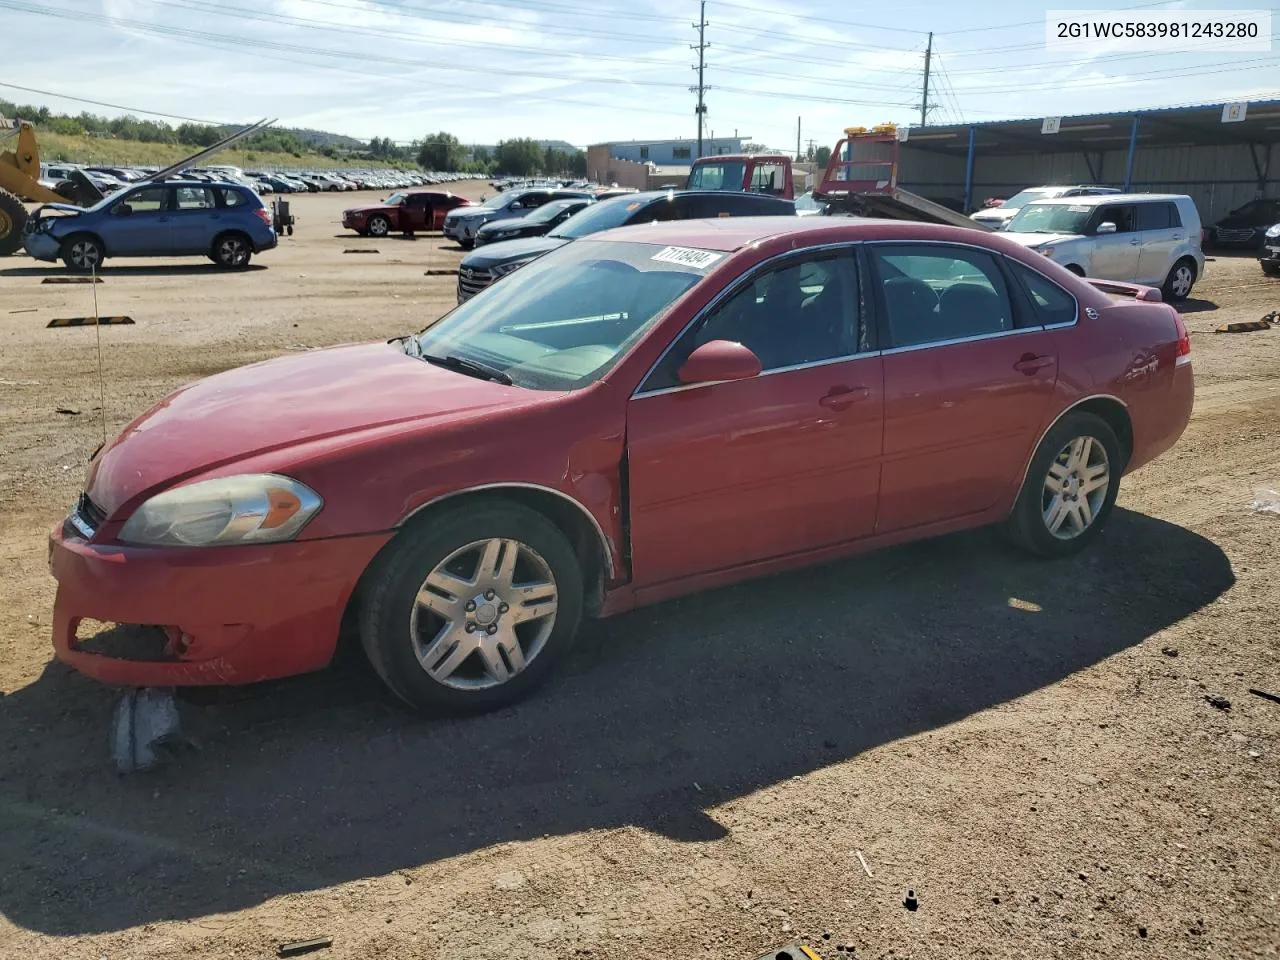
{"x": 122, "y": 210}
{"x": 1107, "y": 227}
{"x": 719, "y": 360}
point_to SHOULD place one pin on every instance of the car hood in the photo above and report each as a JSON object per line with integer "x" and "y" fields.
{"x": 370, "y": 207}
{"x": 281, "y": 403}
{"x": 995, "y": 213}
{"x": 1040, "y": 239}
{"x": 1240, "y": 220}
{"x": 504, "y": 251}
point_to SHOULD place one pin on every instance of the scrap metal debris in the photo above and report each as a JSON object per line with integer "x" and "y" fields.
{"x": 1217, "y": 701}
{"x": 910, "y": 901}
{"x": 68, "y": 411}
{"x": 1273, "y": 697}
{"x": 298, "y": 947}
{"x": 145, "y": 725}
{"x": 792, "y": 951}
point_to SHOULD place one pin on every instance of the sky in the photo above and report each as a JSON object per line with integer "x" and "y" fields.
{"x": 589, "y": 72}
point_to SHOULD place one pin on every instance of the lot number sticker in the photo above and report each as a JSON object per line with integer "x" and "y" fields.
{"x": 687, "y": 257}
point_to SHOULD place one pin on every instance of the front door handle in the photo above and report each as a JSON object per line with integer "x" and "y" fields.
{"x": 1135, "y": 242}
{"x": 842, "y": 398}
{"x": 1031, "y": 363}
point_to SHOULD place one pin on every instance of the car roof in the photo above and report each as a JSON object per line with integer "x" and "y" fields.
{"x": 1095, "y": 199}
{"x": 732, "y": 233}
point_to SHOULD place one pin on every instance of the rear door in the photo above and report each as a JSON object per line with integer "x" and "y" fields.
{"x": 1115, "y": 255}
{"x": 969, "y": 370}
{"x": 1161, "y": 232}
{"x": 196, "y": 219}
{"x": 145, "y": 230}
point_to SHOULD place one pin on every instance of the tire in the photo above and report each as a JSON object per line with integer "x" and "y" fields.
{"x": 467, "y": 244}
{"x": 1177, "y": 285}
{"x": 379, "y": 226}
{"x": 1031, "y": 525}
{"x": 232, "y": 250}
{"x": 1271, "y": 269}
{"x": 457, "y": 547}
{"x": 13, "y": 221}
{"x": 82, "y": 253}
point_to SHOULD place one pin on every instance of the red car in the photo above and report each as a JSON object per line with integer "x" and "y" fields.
{"x": 643, "y": 413}
{"x": 407, "y": 210}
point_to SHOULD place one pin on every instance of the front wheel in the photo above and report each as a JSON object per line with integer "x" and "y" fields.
{"x": 472, "y": 612}
{"x": 1070, "y": 487}
{"x": 379, "y": 226}
{"x": 82, "y": 253}
{"x": 232, "y": 250}
{"x": 1177, "y": 286}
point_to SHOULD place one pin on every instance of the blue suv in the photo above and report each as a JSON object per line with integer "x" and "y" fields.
{"x": 177, "y": 218}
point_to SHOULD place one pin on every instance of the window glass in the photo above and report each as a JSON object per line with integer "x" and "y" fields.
{"x": 718, "y": 176}
{"x": 1121, "y": 215}
{"x": 1052, "y": 303}
{"x": 768, "y": 178}
{"x": 805, "y": 312}
{"x": 936, "y": 293}
{"x": 232, "y": 198}
{"x": 148, "y": 200}
{"x": 1154, "y": 216}
{"x": 196, "y": 198}
{"x": 681, "y": 153}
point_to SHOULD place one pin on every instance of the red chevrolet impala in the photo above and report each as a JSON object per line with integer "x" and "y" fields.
{"x": 643, "y": 413}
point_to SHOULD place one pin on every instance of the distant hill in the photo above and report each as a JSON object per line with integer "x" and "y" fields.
{"x": 561, "y": 145}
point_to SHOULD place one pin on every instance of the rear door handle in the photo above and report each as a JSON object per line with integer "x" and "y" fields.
{"x": 842, "y": 398}
{"x": 1031, "y": 363}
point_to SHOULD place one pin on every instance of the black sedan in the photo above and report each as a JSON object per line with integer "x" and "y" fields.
{"x": 481, "y": 267}
{"x": 1245, "y": 226}
{"x": 542, "y": 220}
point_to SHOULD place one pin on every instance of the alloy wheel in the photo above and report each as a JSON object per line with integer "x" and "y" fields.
{"x": 483, "y": 614}
{"x": 85, "y": 254}
{"x": 1075, "y": 488}
{"x": 378, "y": 227}
{"x": 1182, "y": 280}
{"x": 232, "y": 251}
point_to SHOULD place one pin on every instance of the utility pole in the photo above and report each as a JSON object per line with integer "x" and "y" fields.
{"x": 700, "y": 89}
{"x": 924, "y": 100}
{"x": 798, "y": 156}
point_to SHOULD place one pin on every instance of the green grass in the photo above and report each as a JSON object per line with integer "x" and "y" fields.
{"x": 89, "y": 150}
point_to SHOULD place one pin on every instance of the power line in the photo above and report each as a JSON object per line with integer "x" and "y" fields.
{"x": 116, "y": 106}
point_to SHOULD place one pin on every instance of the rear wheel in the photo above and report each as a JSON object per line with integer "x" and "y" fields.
{"x": 1271, "y": 269}
{"x": 473, "y": 611}
{"x": 1177, "y": 286}
{"x": 82, "y": 253}
{"x": 379, "y": 226}
{"x": 1070, "y": 487}
{"x": 232, "y": 250}
{"x": 13, "y": 220}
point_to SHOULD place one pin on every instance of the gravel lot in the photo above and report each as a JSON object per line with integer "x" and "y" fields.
{"x": 1026, "y": 745}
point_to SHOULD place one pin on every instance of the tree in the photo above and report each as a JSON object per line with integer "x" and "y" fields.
{"x": 441, "y": 151}
{"x": 821, "y": 156}
{"x": 520, "y": 157}
{"x": 480, "y": 156}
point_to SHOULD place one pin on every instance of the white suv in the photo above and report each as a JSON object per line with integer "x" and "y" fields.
{"x": 997, "y": 218}
{"x": 1147, "y": 238}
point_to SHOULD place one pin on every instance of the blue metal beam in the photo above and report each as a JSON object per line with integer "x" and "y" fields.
{"x": 968, "y": 171}
{"x": 1133, "y": 148}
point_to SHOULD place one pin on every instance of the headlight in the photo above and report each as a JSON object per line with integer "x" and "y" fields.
{"x": 251, "y": 508}
{"x": 502, "y": 269}
{"x": 1274, "y": 231}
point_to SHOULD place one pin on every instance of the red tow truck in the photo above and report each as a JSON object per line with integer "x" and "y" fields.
{"x": 768, "y": 173}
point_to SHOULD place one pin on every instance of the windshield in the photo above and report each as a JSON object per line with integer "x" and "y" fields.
{"x": 563, "y": 320}
{"x": 717, "y": 176}
{"x": 497, "y": 201}
{"x": 604, "y": 215}
{"x": 1026, "y": 196}
{"x": 1050, "y": 218}
{"x": 395, "y": 199}
{"x": 549, "y": 211}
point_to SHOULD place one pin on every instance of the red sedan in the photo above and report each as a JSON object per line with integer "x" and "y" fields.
{"x": 405, "y": 211}
{"x": 640, "y": 414}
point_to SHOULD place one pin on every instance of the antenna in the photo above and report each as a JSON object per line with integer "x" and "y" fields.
{"x": 97, "y": 329}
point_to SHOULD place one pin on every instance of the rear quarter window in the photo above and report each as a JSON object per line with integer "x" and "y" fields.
{"x": 1051, "y": 303}
{"x": 232, "y": 198}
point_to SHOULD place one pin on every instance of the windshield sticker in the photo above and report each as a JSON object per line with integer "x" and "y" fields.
{"x": 687, "y": 257}
{"x": 1078, "y": 208}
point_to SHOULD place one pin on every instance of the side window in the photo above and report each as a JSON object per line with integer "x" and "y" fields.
{"x": 768, "y": 178}
{"x": 195, "y": 198}
{"x": 1154, "y": 216}
{"x": 1122, "y": 216}
{"x": 232, "y": 198}
{"x": 803, "y": 312}
{"x": 1052, "y": 304}
{"x": 1175, "y": 218}
{"x": 939, "y": 293}
{"x": 148, "y": 200}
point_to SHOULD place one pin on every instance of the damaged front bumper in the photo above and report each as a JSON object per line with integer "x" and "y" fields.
{"x": 42, "y": 245}
{"x": 219, "y": 615}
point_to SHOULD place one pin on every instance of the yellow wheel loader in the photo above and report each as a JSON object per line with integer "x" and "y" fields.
{"x": 20, "y": 180}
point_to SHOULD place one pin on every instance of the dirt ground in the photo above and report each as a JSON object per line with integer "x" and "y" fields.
{"x": 1027, "y": 746}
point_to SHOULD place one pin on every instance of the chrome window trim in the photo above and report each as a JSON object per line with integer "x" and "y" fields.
{"x": 976, "y": 338}
{"x": 609, "y": 557}
{"x": 734, "y": 287}
{"x": 661, "y": 391}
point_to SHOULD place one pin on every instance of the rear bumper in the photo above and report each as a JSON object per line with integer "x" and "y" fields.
{"x": 266, "y": 243}
{"x": 1163, "y": 425}
{"x": 232, "y": 615}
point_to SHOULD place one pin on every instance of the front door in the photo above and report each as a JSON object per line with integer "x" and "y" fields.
{"x": 1115, "y": 255}
{"x": 725, "y": 474}
{"x": 195, "y": 220}
{"x": 416, "y": 212}
{"x": 145, "y": 230}
{"x": 969, "y": 370}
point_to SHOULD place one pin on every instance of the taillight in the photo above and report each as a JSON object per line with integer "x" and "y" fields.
{"x": 262, "y": 215}
{"x": 1184, "y": 340}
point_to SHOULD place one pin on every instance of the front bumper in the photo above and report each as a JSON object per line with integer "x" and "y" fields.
{"x": 1270, "y": 250}
{"x": 42, "y": 246}
{"x": 231, "y": 615}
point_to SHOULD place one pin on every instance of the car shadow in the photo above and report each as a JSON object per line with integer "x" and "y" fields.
{"x": 656, "y": 717}
{"x": 149, "y": 270}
